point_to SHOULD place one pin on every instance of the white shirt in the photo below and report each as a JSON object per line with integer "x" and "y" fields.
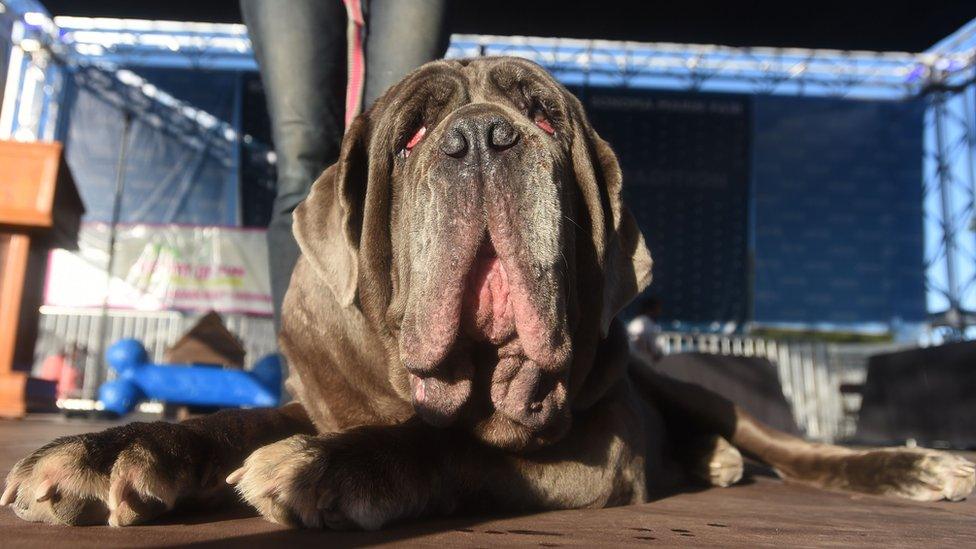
{"x": 642, "y": 332}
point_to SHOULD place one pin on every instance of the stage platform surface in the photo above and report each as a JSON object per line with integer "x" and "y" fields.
{"x": 762, "y": 511}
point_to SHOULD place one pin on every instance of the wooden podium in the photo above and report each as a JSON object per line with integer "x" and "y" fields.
{"x": 39, "y": 209}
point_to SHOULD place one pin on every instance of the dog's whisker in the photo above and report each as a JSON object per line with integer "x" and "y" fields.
{"x": 565, "y": 261}
{"x": 570, "y": 219}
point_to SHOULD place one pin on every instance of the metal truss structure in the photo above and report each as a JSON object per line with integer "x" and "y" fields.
{"x": 34, "y": 82}
{"x": 694, "y": 67}
{"x": 45, "y": 48}
{"x": 950, "y": 184}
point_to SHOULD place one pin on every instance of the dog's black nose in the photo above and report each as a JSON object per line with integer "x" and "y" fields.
{"x": 485, "y": 131}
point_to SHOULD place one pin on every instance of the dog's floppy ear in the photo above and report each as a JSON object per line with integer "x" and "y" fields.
{"x": 328, "y": 222}
{"x": 620, "y": 249}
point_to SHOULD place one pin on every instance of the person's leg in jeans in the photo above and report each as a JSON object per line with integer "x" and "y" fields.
{"x": 300, "y": 47}
{"x": 401, "y": 35}
{"x": 301, "y": 50}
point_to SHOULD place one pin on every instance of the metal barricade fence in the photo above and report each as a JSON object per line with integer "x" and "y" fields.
{"x": 810, "y": 372}
{"x": 157, "y": 330}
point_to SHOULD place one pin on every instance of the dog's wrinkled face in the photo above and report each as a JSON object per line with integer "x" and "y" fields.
{"x": 483, "y": 195}
{"x": 481, "y": 215}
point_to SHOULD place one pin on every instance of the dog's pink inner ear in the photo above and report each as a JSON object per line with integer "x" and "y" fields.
{"x": 417, "y": 138}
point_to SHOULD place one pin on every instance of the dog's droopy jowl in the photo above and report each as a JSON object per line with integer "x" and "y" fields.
{"x": 451, "y": 333}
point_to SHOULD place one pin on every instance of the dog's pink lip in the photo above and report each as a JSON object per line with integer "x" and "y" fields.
{"x": 487, "y": 311}
{"x": 418, "y": 388}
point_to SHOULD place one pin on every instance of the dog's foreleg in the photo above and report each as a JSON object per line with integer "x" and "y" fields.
{"x": 371, "y": 476}
{"x": 133, "y": 473}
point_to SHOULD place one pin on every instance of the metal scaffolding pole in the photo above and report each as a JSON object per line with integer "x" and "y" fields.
{"x": 952, "y": 316}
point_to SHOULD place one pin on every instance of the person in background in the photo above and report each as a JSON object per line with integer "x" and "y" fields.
{"x": 64, "y": 368}
{"x": 309, "y": 53}
{"x": 643, "y": 329}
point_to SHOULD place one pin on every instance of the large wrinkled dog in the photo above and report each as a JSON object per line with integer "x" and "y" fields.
{"x": 451, "y": 331}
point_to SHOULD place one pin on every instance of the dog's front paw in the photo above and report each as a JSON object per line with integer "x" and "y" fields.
{"x": 121, "y": 476}
{"x": 919, "y": 474}
{"x": 329, "y": 481}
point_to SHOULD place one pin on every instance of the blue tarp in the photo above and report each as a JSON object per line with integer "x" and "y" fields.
{"x": 176, "y": 170}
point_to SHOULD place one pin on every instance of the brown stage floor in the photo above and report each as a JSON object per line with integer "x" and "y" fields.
{"x": 761, "y": 512}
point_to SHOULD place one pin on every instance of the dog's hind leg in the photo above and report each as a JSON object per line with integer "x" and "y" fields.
{"x": 919, "y": 474}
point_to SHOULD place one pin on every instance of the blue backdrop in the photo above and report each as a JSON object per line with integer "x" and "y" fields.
{"x": 837, "y": 232}
{"x": 685, "y": 160}
{"x": 773, "y": 209}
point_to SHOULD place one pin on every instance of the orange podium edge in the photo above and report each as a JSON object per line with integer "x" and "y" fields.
{"x": 40, "y": 209}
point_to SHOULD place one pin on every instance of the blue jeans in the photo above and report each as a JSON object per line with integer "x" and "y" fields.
{"x": 300, "y": 47}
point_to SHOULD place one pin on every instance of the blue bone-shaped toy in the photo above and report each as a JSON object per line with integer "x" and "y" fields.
{"x": 187, "y": 384}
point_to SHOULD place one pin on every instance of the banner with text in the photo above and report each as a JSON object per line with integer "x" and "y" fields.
{"x": 164, "y": 267}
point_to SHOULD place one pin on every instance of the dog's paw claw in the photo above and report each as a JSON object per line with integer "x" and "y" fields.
{"x": 45, "y": 490}
{"x": 128, "y": 505}
{"x": 9, "y": 493}
{"x": 236, "y": 476}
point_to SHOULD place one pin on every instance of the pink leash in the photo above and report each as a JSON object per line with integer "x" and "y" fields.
{"x": 356, "y": 59}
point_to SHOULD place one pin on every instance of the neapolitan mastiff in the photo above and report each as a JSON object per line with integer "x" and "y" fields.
{"x": 452, "y": 337}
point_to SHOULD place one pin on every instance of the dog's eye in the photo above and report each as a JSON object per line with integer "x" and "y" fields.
{"x": 541, "y": 120}
{"x": 417, "y": 138}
